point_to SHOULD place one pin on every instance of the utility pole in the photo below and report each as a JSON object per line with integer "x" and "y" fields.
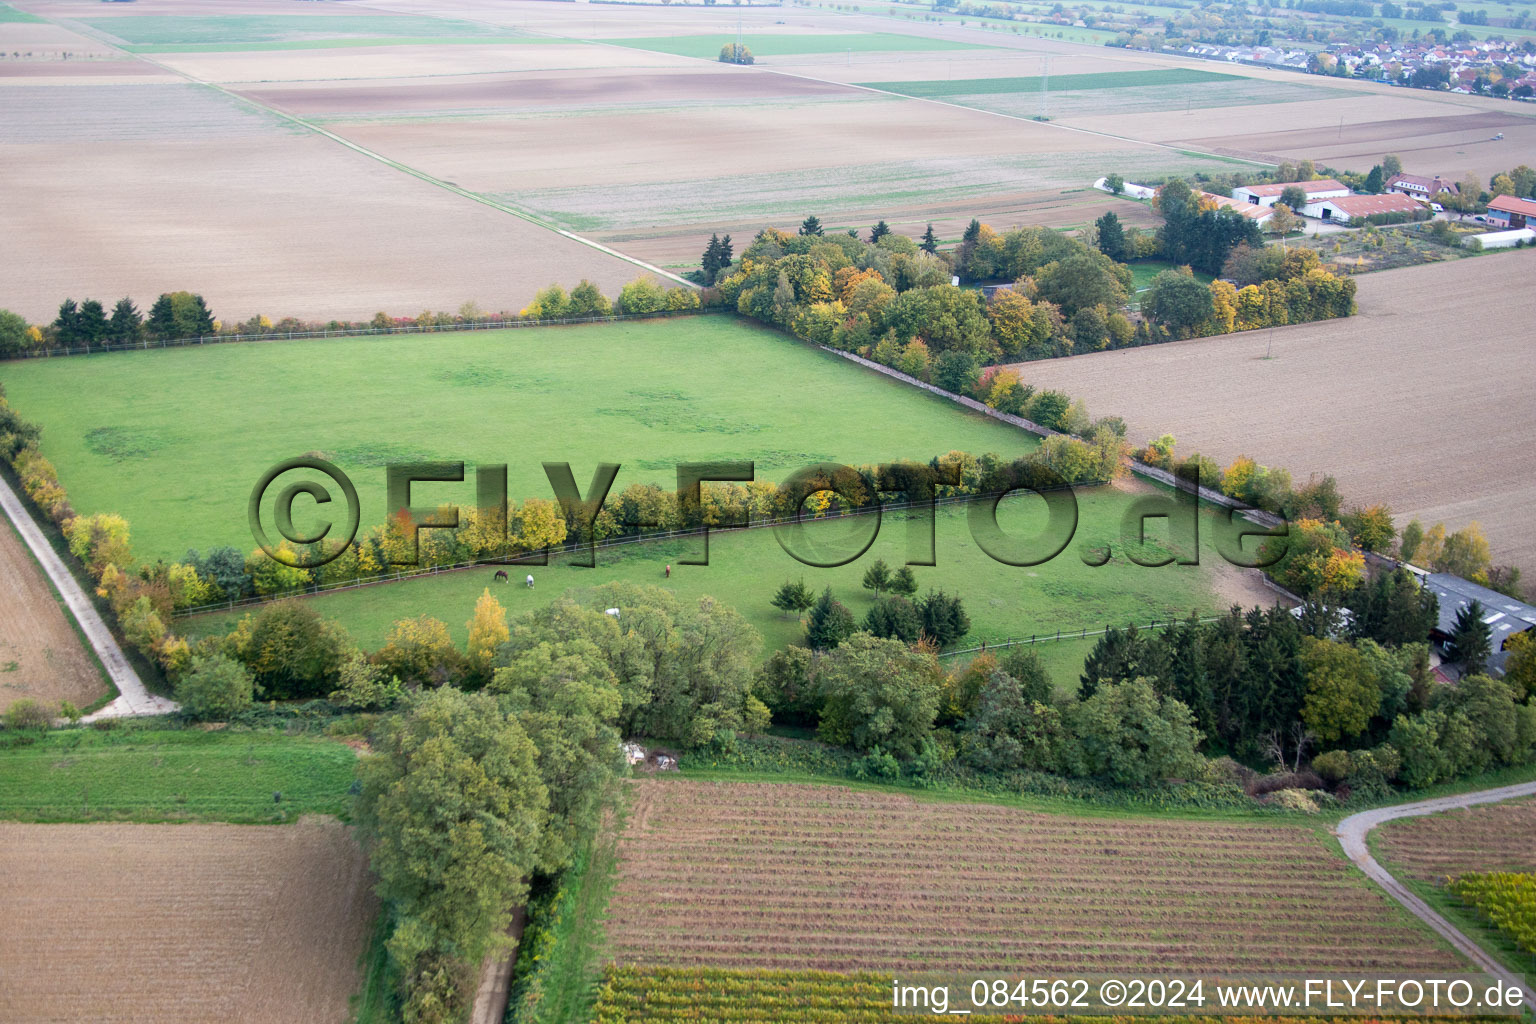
{"x": 1045, "y": 87}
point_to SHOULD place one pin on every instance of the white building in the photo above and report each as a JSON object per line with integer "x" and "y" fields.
{"x": 1269, "y": 195}
{"x": 1347, "y": 208}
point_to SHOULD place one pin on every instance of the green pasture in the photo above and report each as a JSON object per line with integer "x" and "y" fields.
{"x": 1092, "y": 80}
{"x": 231, "y": 31}
{"x": 746, "y": 568}
{"x": 1143, "y": 271}
{"x": 784, "y": 44}
{"x": 9, "y": 13}
{"x": 176, "y": 439}
{"x": 133, "y": 774}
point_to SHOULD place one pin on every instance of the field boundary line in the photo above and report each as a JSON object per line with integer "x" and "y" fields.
{"x": 74, "y": 25}
{"x": 1353, "y": 830}
{"x": 132, "y": 698}
{"x": 60, "y": 352}
{"x": 572, "y": 547}
{"x": 780, "y": 70}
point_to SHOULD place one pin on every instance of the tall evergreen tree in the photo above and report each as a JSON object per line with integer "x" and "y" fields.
{"x": 726, "y": 255}
{"x": 710, "y": 261}
{"x": 1111, "y": 237}
{"x": 930, "y": 242}
{"x": 829, "y": 623}
{"x": 879, "y": 231}
{"x": 67, "y": 325}
{"x": 200, "y": 318}
{"x": 811, "y": 225}
{"x": 1470, "y": 638}
{"x": 877, "y": 577}
{"x": 944, "y": 618}
{"x": 162, "y": 319}
{"x": 793, "y": 596}
{"x": 1374, "y": 182}
{"x": 92, "y": 322}
{"x": 895, "y": 618}
{"x": 126, "y": 321}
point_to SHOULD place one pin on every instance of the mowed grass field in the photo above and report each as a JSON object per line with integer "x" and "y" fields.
{"x": 166, "y": 775}
{"x": 1069, "y": 83}
{"x": 747, "y": 567}
{"x": 176, "y": 439}
{"x": 762, "y": 876}
{"x": 182, "y": 924}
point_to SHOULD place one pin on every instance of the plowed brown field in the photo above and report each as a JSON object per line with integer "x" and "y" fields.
{"x": 1497, "y": 837}
{"x": 172, "y": 923}
{"x": 41, "y": 656}
{"x": 794, "y": 876}
{"x": 1417, "y": 402}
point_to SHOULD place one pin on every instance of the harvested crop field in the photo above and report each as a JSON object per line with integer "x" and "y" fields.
{"x": 172, "y": 923}
{"x": 1416, "y": 401}
{"x": 746, "y": 875}
{"x": 1494, "y": 837}
{"x": 533, "y": 90}
{"x": 219, "y": 216}
{"x": 41, "y": 655}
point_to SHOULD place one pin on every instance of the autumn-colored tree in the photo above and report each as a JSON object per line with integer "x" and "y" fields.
{"x": 1020, "y": 329}
{"x": 1283, "y": 221}
{"x": 487, "y": 632}
{"x": 1371, "y": 527}
{"x": 1465, "y": 553}
{"x": 539, "y": 525}
{"x": 420, "y": 653}
{"x": 99, "y": 540}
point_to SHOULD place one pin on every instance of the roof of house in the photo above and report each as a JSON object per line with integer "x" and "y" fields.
{"x": 1249, "y": 210}
{"x": 1512, "y": 204}
{"x": 1505, "y": 615}
{"x": 1364, "y": 206}
{"x": 1435, "y": 184}
{"x": 1309, "y": 187}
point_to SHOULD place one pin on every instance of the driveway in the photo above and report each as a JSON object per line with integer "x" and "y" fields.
{"x": 1353, "y": 830}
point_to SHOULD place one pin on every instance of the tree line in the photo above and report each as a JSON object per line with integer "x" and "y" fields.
{"x": 177, "y": 315}
{"x": 891, "y": 299}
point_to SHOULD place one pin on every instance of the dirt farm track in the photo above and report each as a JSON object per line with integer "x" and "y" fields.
{"x": 40, "y": 654}
{"x": 1421, "y": 401}
{"x": 194, "y": 923}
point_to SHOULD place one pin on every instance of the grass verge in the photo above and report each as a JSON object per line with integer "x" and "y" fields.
{"x": 129, "y": 773}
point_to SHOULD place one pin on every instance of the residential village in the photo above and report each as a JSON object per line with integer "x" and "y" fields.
{"x": 1485, "y": 67}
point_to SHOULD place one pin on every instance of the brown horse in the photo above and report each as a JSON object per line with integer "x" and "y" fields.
{"x": 501, "y": 576}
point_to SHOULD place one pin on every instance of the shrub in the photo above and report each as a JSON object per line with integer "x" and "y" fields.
{"x": 27, "y": 715}
{"x": 215, "y": 687}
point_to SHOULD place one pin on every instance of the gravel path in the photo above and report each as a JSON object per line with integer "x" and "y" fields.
{"x": 1353, "y": 830}
{"x": 133, "y": 698}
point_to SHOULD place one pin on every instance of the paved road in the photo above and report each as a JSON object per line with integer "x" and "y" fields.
{"x": 133, "y": 698}
{"x": 1353, "y": 830}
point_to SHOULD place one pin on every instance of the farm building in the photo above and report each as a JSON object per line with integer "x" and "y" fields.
{"x": 1259, "y": 214}
{"x": 1505, "y": 616}
{"x": 1269, "y": 195}
{"x": 1347, "y": 208}
{"x": 1510, "y": 212}
{"x": 1506, "y": 239}
{"x": 1420, "y": 187}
